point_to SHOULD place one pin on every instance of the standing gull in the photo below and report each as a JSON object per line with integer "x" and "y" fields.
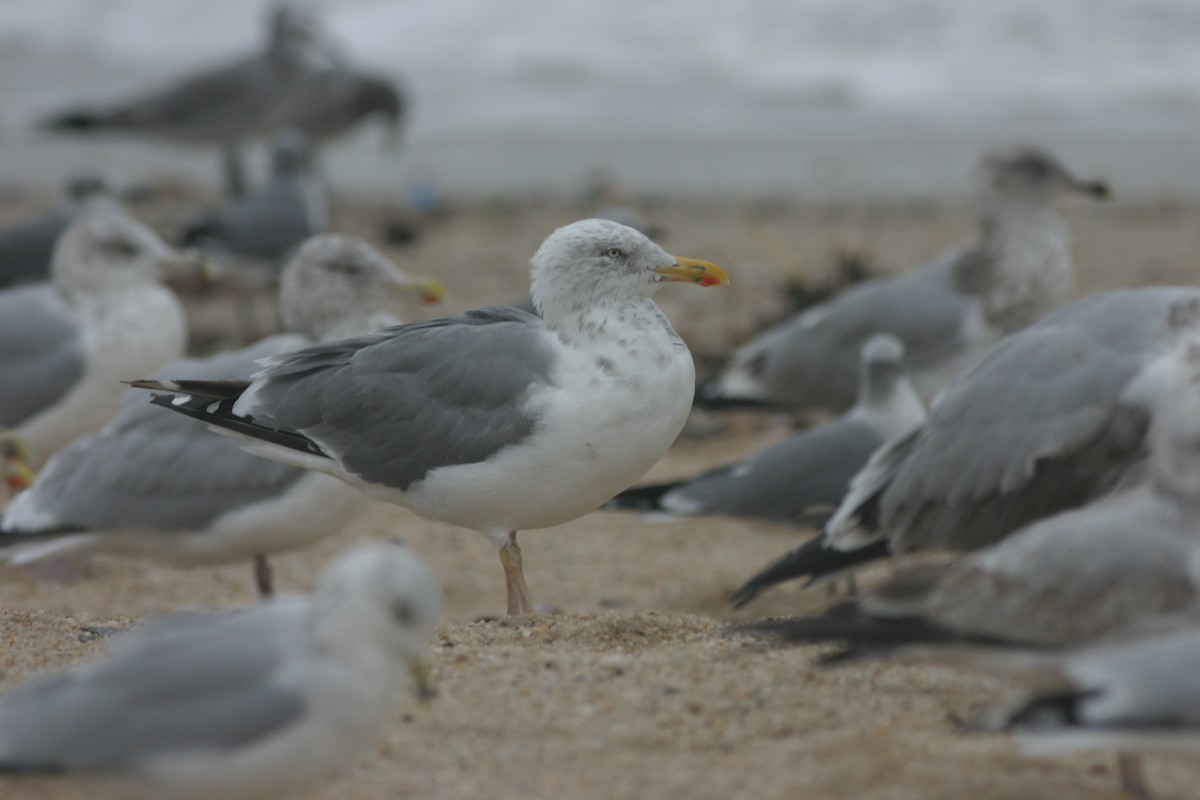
{"x": 158, "y": 485}
{"x": 65, "y": 346}
{"x": 946, "y": 313}
{"x": 498, "y": 420}
{"x": 259, "y": 703}
{"x": 801, "y": 479}
{"x": 1052, "y": 418}
{"x": 223, "y": 105}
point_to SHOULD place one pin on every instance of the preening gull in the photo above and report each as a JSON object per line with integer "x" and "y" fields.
{"x": 65, "y": 346}
{"x": 26, "y": 247}
{"x": 497, "y": 420}
{"x": 268, "y": 224}
{"x": 1125, "y": 697}
{"x": 160, "y": 486}
{"x": 259, "y": 703}
{"x": 801, "y": 479}
{"x": 1050, "y": 419}
{"x": 946, "y": 313}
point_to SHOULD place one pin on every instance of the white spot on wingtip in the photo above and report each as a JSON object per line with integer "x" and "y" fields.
{"x": 181, "y": 400}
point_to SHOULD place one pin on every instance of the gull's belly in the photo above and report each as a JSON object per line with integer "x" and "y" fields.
{"x": 588, "y": 445}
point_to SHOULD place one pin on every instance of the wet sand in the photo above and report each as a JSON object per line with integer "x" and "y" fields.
{"x": 634, "y": 686}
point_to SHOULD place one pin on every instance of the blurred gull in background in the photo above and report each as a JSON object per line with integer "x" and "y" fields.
{"x": 66, "y": 345}
{"x": 266, "y": 225}
{"x": 803, "y": 478}
{"x": 26, "y": 247}
{"x": 160, "y": 486}
{"x": 945, "y": 313}
{"x": 1052, "y": 418}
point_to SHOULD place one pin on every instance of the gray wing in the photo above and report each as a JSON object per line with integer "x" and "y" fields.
{"x": 331, "y": 100}
{"x": 25, "y": 249}
{"x": 394, "y": 405}
{"x": 41, "y": 353}
{"x": 194, "y": 682}
{"x": 264, "y": 225}
{"x": 226, "y": 102}
{"x": 1076, "y": 577}
{"x": 799, "y": 480}
{"x": 812, "y": 360}
{"x": 1045, "y": 403}
{"x": 156, "y": 471}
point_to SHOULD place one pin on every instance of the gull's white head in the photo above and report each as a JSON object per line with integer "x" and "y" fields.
{"x": 881, "y": 362}
{"x": 1031, "y": 175}
{"x": 884, "y": 387}
{"x": 1173, "y": 385}
{"x": 597, "y": 262}
{"x": 382, "y": 593}
{"x": 107, "y": 249}
{"x": 336, "y": 282}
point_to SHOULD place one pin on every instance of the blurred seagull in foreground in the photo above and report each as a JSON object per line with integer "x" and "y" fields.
{"x": 1052, "y": 418}
{"x": 65, "y": 346}
{"x": 26, "y": 247}
{"x": 945, "y": 313}
{"x": 801, "y": 479}
{"x": 160, "y": 486}
{"x": 1126, "y": 697}
{"x": 497, "y": 420}
{"x": 256, "y": 704}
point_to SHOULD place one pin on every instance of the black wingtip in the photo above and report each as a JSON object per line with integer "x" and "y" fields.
{"x": 709, "y": 398}
{"x": 79, "y": 120}
{"x": 813, "y": 559}
{"x": 640, "y": 498}
{"x": 12, "y": 537}
{"x": 201, "y": 407}
{"x": 862, "y": 634}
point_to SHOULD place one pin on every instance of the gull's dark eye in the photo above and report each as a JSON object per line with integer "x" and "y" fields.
{"x": 344, "y": 267}
{"x": 403, "y": 613}
{"x": 614, "y": 252}
{"x": 122, "y": 248}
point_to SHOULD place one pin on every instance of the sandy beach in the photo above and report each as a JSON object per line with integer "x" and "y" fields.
{"x": 630, "y": 685}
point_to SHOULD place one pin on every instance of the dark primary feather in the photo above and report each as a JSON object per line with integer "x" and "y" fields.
{"x": 813, "y": 559}
{"x": 864, "y": 634}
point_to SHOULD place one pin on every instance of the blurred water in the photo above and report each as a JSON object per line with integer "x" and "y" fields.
{"x": 829, "y": 98}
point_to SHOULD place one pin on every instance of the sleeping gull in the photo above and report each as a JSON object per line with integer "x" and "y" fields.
{"x": 26, "y": 247}
{"x": 946, "y": 313}
{"x": 801, "y": 479}
{"x": 497, "y": 420}
{"x": 1050, "y": 419}
{"x": 259, "y": 703}
{"x": 221, "y": 105}
{"x": 270, "y": 223}
{"x": 1125, "y": 697}
{"x": 158, "y": 485}
{"x": 65, "y": 346}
